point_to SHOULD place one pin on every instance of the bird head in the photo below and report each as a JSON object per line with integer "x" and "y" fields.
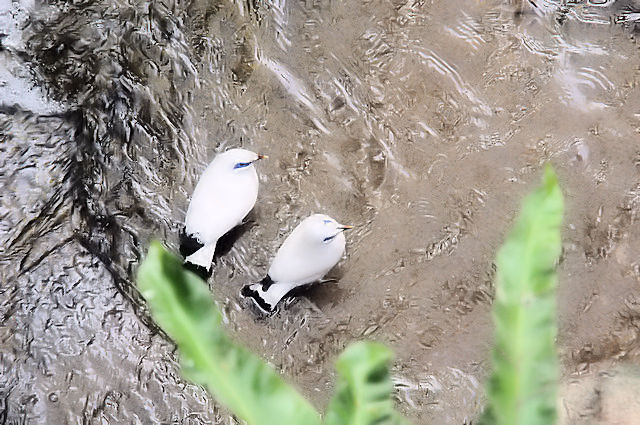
{"x": 242, "y": 159}
{"x": 321, "y": 228}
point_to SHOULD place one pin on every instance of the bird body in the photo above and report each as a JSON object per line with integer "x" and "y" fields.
{"x": 314, "y": 247}
{"x": 224, "y": 195}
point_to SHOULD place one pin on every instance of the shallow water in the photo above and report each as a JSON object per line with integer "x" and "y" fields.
{"x": 422, "y": 123}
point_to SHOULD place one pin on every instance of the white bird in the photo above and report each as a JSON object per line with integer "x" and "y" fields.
{"x": 307, "y": 254}
{"x": 224, "y": 195}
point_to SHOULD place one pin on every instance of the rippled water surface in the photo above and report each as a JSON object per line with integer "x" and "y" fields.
{"x": 422, "y": 123}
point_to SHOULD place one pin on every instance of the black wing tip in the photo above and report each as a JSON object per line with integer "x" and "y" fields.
{"x": 188, "y": 244}
{"x": 266, "y": 282}
{"x": 246, "y": 291}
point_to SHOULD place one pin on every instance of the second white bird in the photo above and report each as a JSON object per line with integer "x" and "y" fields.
{"x": 313, "y": 248}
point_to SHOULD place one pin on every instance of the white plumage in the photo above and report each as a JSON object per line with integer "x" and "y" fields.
{"x": 224, "y": 195}
{"x": 313, "y": 248}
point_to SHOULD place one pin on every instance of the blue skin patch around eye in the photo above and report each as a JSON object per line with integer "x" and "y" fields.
{"x": 328, "y": 238}
{"x": 241, "y": 165}
{"x": 326, "y": 221}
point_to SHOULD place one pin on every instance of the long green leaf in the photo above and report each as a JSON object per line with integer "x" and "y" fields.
{"x": 181, "y": 304}
{"x": 522, "y": 388}
{"x": 363, "y": 393}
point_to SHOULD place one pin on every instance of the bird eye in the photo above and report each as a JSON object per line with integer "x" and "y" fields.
{"x": 241, "y": 165}
{"x": 326, "y": 221}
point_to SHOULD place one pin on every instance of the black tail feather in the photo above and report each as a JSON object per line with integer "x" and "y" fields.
{"x": 248, "y": 292}
{"x": 202, "y": 272}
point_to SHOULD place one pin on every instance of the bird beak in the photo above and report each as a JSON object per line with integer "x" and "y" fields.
{"x": 345, "y": 227}
{"x": 262, "y": 157}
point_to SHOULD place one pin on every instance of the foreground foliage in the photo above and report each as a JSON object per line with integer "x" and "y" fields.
{"x": 362, "y": 392}
{"x": 181, "y": 304}
{"x": 522, "y": 388}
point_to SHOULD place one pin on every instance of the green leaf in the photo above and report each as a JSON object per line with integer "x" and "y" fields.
{"x": 363, "y": 392}
{"x": 181, "y": 304}
{"x": 522, "y": 388}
